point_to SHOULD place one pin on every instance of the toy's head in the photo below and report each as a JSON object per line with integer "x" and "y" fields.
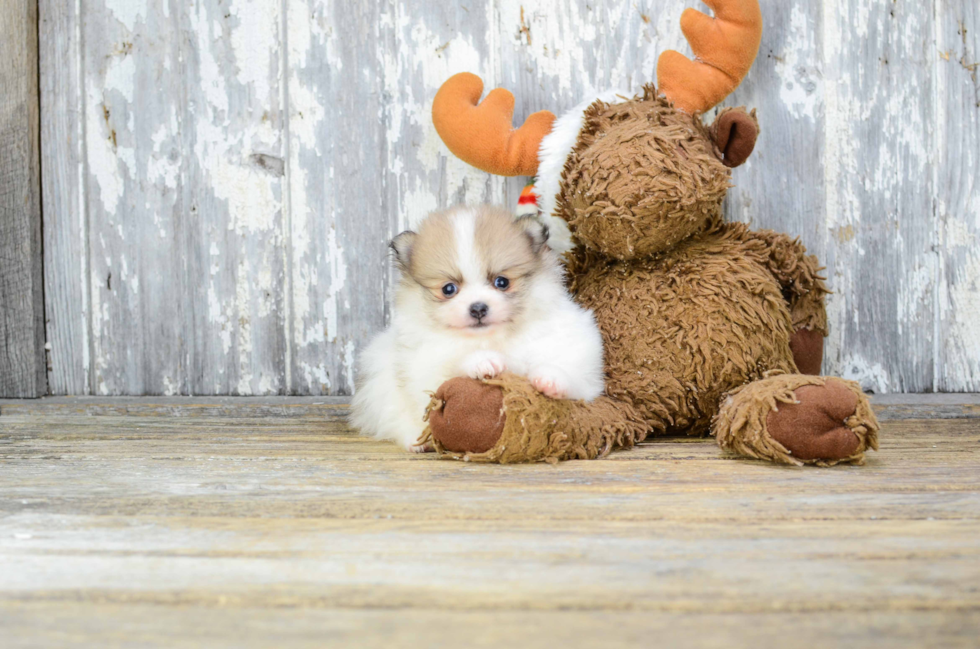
{"x": 624, "y": 177}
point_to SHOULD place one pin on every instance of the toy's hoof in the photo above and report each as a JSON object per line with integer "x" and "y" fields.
{"x": 815, "y": 428}
{"x": 471, "y": 418}
{"x": 807, "y": 348}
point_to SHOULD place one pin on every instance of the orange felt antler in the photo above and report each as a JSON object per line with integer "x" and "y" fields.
{"x": 724, "y": 49}
{"x": 483, "y": 134}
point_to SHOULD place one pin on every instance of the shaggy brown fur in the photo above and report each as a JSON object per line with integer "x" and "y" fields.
{"x": 763, "y": 419}
{"x": 571, "y": 432}
{"x": 690, "y": 308}
{"x": 641, "y": 179}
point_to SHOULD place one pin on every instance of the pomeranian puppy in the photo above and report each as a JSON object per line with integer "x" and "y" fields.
{"x": 480, "y": 293}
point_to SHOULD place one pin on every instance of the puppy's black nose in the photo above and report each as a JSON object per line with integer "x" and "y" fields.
{"x": 479, "y": 310}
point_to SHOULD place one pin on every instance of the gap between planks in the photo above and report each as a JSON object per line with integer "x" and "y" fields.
{"x": 889, "y": 407}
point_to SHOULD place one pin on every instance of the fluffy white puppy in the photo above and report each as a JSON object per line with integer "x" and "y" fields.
{"x": 480, "y": 293}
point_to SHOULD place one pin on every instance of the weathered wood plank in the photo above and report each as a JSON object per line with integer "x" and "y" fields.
{"x": 248, "y": 520}
{"x": 888, "y": 407}
{"x": 958, "y": 195}
{"x": 183, "y": 122}
{"x": 22, "y": 362}
{"x": 324, "y": 407}
{"x": 109, "y": 625}
{"x": 131, "y": 86}
{"x": 878, "y": 181}
{"x": 233, "y": 242}
{"x": 66, "y": 294}
{"x": 340, "y": 222}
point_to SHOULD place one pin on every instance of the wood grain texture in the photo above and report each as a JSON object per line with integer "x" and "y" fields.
{"x": 277, "y": 145}
{"x": 142, "y": 528}
{"x": 233, "y": 136}
{"x": 22, "y": 361}
{"x": 339, "y": 218}
{"x": 180, "y": 234}
{"x": 66, "y": 295}
{"x": 958, "y": 194}
{"x": 136, "y": 261}
{"x": 888, "y": 407}
{"x": 879, "y": 188}
{"x": 69, "y": 622}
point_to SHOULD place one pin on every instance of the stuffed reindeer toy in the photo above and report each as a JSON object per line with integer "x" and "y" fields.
{"x": 709, "y": 327}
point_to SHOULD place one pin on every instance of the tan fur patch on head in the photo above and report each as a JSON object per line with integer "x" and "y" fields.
{"x": 641, "y": 178}
{"x": 503, "y": 245}
{"x": 495, "y": 244}
{"x": 433, "y": 258}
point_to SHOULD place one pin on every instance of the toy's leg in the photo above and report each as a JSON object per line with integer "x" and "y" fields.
{"x": 798, "y": 419}
{"x": 807, "y": 347}
{"x": 506, "y": 420}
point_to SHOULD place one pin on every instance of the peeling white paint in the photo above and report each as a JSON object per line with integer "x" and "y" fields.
{"x": 104, "y": 152}
{"x": 800, "y": 84}
{"x": 267, "y": 385}
{"x": 963, "y": 324}
{"x": 212, "y": 80}
{"x": 255, "y": 42}
{"x": 127, "y": 11}
{"x": 316, "y": 375}
{"x": 960, "y": 234}
{"x": 871, "y": 375}
{"x": 915, "y": 299}
{"x": 244, "y": 338}
{"x": 170, "y": 387}
{"x": 556, "y": 52}
{"x": 338, "y": 278}
{"x": 350, "y": 350}
{"x": 120, "y": 76}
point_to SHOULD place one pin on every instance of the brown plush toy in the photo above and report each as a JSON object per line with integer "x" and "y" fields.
{"x": 709, "y": 327}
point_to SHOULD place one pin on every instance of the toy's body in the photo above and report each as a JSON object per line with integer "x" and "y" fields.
{"x": 690, "y": 323}
{"x": 706, "y": 325}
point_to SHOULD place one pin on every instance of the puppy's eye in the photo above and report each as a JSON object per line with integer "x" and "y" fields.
{"x": 501, "y": 282}
{"x": 449, "y": 289}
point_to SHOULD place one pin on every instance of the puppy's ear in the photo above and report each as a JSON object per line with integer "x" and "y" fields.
{"x": 536, "y": 231}
{"x": 402, "y": 247}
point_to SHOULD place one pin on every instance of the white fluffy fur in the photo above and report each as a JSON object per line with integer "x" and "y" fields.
{"x": 552, "y": 155}
{"x": 552, "y": 341}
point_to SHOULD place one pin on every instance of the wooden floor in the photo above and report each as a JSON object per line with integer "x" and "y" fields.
{"x": 168, "y": 523}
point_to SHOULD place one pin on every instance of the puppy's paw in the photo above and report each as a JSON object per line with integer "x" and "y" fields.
{"x": 484, "y": 365}
{"x": 422, "y": 448}
{"x": 550, "y": 381}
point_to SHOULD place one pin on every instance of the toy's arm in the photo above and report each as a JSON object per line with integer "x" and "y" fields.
{"x": 506, "y": 420}
{"x": 803, "y": 287}
{"x": 799, "y": 275}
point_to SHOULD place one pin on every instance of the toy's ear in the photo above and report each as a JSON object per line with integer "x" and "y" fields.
{"x": 536, "y": 231}
{"x": 402, "y": 247}
{"x": 734, "y": 134}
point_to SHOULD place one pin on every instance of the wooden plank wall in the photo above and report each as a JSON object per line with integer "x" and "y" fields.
{"x": 957, "y": 210}
{"x": 221, "y": 178}
{"x": 22, "y": 362}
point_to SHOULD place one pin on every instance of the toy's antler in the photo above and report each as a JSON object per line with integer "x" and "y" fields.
{"x": 483, "y": 135}
{"x": 724, "y": 49}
